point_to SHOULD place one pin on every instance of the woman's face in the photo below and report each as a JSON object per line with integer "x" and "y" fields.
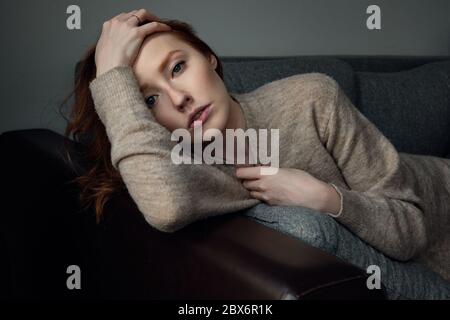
{"x": 187, "y": 82}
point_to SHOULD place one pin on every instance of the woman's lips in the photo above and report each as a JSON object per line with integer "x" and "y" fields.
{"x": 202, "y": 118}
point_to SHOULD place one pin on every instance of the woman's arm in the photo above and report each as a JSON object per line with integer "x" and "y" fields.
{"x": 170, "y": 196}
{"x": 381, "y": 207}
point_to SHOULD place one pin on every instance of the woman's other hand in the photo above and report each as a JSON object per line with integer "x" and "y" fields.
{"x": 122, "y": 37}
{"x": 290, "y": 187}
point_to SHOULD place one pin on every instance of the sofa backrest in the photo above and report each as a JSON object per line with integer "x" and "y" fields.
{"x": 245, "y": 75}
{"x": 408, "y": 99}
{"x": 411, "y": 108}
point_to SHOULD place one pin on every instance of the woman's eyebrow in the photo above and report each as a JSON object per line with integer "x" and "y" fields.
{"x": 163, "y": 64}
{"x": 166, "y": 60}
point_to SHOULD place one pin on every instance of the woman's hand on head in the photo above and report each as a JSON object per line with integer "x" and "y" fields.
{"x": 122, "y": 37}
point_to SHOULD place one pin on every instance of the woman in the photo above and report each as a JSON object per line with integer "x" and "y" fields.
{"x": 146, "y": 79}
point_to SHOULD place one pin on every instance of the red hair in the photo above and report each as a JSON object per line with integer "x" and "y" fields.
{"x": 101, "y": 180}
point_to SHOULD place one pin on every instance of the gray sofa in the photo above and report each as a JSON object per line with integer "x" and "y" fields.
{"x": 408, "y": 99}
{"x": 260, "y": 253}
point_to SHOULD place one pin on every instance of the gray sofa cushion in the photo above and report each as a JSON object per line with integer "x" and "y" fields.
{"x": 247, "y": 75}
{"x": 402, "y": 280}
{"x": 411, "y": 108}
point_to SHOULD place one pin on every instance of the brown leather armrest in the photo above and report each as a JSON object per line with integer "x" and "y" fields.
{"x": 225, "y": 257}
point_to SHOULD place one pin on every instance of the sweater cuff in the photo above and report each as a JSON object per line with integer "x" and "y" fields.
{"x": 353, "y": 206}
{"x": 342, "y": 202}
{"x": 114, "y": 92}
{"x": 105, "y": 85}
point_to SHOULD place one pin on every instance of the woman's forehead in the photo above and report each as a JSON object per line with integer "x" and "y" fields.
{"x": 162, "y": 41}
{"x": 155, "y": 50}
{"x": 150, "y": 60}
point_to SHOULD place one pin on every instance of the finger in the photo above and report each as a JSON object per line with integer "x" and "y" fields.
{"x": 141, "y": 14}
{"x": 131, "y": 18}
{"x": 126, "y": 16}
{"x": 248, "y": 172}
{"x": 121, "y": 16}
{"x": 146, "y": 16}
{"x": 152, "y": 27}
{"x": 253, "y": 185}
{"x": 258, "y": 195}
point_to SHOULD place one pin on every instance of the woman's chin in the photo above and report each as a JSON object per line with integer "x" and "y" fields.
{"x": 208, "y": 130}
{"x": 207, "y": 134}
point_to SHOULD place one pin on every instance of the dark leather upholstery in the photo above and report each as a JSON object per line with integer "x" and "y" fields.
{"x": 44, "y": 231}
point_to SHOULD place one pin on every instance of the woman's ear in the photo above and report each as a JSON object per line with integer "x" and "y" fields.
{"x": 213, "y": 60}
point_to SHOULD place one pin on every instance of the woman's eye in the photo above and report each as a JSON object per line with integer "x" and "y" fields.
{"x": 178, "y": 64}
{"x": 151, "y": 100}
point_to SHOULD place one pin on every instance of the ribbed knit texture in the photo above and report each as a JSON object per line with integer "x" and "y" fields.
{"x": 399, "y": 203}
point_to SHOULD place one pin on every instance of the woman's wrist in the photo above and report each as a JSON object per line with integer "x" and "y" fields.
{"x": 333, "y": 201}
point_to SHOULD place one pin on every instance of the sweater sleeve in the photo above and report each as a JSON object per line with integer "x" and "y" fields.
{"x": 170, "y": 196}
{"x": 381, "y": 207}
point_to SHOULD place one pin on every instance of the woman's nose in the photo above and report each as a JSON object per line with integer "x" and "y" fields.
{"x": 183, "y": 103}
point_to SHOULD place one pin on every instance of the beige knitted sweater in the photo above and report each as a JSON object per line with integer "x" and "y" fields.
{"x": 398, "y": 203}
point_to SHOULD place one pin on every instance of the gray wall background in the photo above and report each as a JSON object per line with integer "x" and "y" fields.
{"x": 38, "y": 52}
